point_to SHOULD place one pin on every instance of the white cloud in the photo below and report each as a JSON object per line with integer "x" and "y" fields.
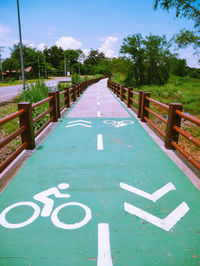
{"x": 41, "y": 46}
{"x": 4, "y": 31}
{"x": 86, "y": 52}
{"x": 108, "y": 46}
{"x": 191, "y": 58}
{"x": 68, "y": 43}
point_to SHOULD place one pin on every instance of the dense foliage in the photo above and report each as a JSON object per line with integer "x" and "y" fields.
{"x": 189, "y": 9}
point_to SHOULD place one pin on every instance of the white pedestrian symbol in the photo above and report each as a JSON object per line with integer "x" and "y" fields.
{"x": 117, "y": 124}
{"x": 168, "y": 222}
{"x": 47, "y": 209}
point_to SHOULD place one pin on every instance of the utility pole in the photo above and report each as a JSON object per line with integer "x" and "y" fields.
{"x": 38, "y": 66}
{"x": 1, "y": 51}
{"x": 64, "y": 64}
{"x": 21, "y": 52}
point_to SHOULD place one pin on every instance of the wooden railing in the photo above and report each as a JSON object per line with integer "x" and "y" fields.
{"x": 57, "y": 100}
{"x": 174, "y": 116}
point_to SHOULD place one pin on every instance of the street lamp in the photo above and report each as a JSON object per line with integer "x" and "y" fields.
{"x": 21, "y": 53}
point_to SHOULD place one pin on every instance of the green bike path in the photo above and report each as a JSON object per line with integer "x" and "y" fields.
{"x": 127, "y": 202}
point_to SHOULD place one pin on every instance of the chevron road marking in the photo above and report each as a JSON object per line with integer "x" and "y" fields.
{"x": 153, "y": 197}
{"x": 167, "y": 223}
{"x": 82, "y": 123}
{"x": 78, "y": 124}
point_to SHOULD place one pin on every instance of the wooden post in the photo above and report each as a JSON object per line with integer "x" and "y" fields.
{"x": 118, "y": 90}
{"x": 129, "y": 96}
{"x": 139, "y": 104}
{"x": 78, "y": 90}
{"x": 122, "y": 93}
{"x": 26, "y": 119}
{"x": 74, "y": 93}
{"x": 67, "y": 96}
{"x": 81, "y": 87}
{"x": 173, "y": 120}
{"x": 145, "y": 103}
{"x": 58, "y": 103}
{"x": 53, "y": 103}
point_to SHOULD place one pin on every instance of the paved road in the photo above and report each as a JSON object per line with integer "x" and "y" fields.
{"x": 99, "y": 191}
{"x": 10, "y": 92}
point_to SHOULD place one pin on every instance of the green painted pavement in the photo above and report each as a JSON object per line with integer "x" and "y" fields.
{"x": 70, "y": 155}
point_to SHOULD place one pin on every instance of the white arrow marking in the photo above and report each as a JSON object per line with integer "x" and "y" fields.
{"x": 84, "y": 121}
{"x": 153, "y": 197}
{"x": 78, "y": 124}
{"x": 166, "y": 223}
{"x": 98, "y": 113}
{"x": 104, "y": 253}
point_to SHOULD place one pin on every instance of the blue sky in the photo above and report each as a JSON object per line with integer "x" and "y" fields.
{"x": 86, "y": 24}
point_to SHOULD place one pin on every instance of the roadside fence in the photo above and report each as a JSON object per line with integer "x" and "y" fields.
{"x": 140, "y": 103}
{"x": 57, "y": 102}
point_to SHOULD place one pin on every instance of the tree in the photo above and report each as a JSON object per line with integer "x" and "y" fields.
{"x": 178, "y": 67}
{"x": 30, "y": 57}
{"x": 103, "y": 67}
{"x": 11, "y": 64}
{"x": 93, "y": 59}
{"x": 54, "y": 55}
{"x": 189, "y": 9}
{"x": 150, "y": 59}
{"x": 133, "y": 50}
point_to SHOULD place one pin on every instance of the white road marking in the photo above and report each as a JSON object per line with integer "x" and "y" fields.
{"x": 58, "y": 223}
{"x": 98, "y": 103}
{"x": 153, "y": 197}
{"x": 35, "y": 215}
{"x": 78, "y": 124}
{"x": 100, "y": 142}
{"x": 98, "y": 113}
{"x": 166, "y": 223}
{"x": 84, "y": 121}
{"x": 104, "y": 252}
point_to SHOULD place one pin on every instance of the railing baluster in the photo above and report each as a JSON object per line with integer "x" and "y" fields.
{"x": 173, "y": 120}
{"x": 26, "y": 119}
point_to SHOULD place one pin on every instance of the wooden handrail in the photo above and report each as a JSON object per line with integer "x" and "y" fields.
{"x": 188, "y": 117}
{"x": 156, "y": 115}
{"x": 187, "y": 136}
{"x": 11, "y": 158}
{"x": 155, "y": 127}
{"x": 41, "y": 102}
{"x": 12, "y": 136}
{"x": 42, "y": 115}
{"x": 11, "y": 117}
{"x": 186, "y": 155}
{"x": 158, "y": 103}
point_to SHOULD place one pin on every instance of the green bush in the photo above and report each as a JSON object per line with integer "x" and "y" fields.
{"x": 34, "y": 93}
{"x": 75, "y": 79}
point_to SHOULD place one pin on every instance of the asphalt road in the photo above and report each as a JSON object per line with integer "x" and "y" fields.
{"x": 10, "y": 92}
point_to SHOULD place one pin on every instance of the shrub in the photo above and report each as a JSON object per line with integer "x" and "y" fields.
{"x": 34, "y": 93}
{"x": 75, "y": 78}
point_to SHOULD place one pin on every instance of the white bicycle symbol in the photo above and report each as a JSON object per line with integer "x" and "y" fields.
{"x": 47, "y": 209}
{"x": 118, "y": 123}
